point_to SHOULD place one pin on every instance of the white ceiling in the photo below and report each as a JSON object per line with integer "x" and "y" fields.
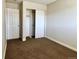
{"x": 42, "y": 1}
{"x": 37, "y": 1}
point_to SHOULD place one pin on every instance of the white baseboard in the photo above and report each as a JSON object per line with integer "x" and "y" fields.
{"x": 24, "y": 39}
{"x": 61, "y": 43}
{"x": 4, "y": 51}
{"x": 12, "y": 38}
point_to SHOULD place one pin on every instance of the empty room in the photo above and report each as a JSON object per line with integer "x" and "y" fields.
{"x": 39, "y": 29}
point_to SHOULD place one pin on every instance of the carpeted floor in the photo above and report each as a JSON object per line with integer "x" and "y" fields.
{"x": 37, "y": 49}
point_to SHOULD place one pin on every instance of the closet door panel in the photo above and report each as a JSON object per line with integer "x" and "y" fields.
{"x": 26, "y": 24}
{"x": 39, "y": 24}
{"x": 12, "y": 23}
{"x": 16, "y": 23}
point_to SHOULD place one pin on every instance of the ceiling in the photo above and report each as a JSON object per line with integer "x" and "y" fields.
{"x": 37, "y": 1}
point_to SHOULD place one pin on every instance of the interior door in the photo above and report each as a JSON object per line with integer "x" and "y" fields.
{"x": 26, "y": 24}
{"x": 39, "y": 24}
{"x": 12, "y": 23}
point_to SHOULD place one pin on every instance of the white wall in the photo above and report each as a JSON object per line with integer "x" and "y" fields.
{"x": 3, "y": 31}
{"x": 61, "y": 22}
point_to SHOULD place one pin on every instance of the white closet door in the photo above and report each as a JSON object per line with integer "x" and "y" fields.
{"x": 12, "y": 23}
{"x": 26, "y": 27}
{"x": 39, "y": 24}
{"x": 26, "y": 24}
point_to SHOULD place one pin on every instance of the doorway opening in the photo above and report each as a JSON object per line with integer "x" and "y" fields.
{"x": 33, "y": 23}
{"x": 30, "y": 23}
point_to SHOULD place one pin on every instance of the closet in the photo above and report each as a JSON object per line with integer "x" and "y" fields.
{"x": 32, "y": 20}
{"x": 34, "y": 24}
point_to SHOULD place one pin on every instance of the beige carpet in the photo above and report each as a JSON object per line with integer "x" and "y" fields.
{"x": 37, "y": 49}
